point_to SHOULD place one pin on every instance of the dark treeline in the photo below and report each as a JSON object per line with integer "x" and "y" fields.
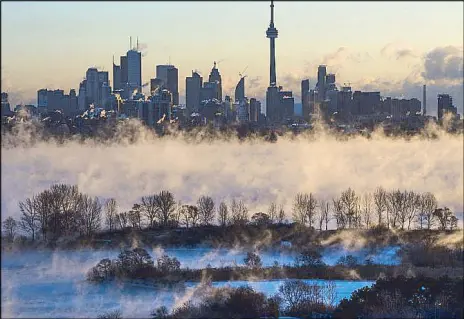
{"x": 400, "y": 297}
{"x": 63, "y": 211}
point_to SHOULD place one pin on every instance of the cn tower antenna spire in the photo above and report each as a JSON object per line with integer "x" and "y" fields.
{"x": 272, "y": 13}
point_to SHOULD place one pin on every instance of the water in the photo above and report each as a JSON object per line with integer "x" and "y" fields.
{"x": 52, "y": 284}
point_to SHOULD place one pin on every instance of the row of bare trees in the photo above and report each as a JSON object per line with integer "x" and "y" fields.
{"x": 393, "y": 209}
{"x": 161, "y": 210}
{"x": 63, "y": 211}
{"x": 56, "y": 212}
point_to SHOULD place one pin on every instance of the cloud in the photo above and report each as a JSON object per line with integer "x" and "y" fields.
{"x": 336, "y": 57}
{"x": 405, "y": 53}
{"x": 444, "y": 63}
{"x": 441, "y": 70}
{"x": 397, "y": 51}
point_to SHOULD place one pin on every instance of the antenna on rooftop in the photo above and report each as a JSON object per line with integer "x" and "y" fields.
{"x": 130, "y": 43}
{"x": 137, "y": 43}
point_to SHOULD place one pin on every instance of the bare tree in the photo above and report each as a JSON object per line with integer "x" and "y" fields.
{"x": 149, "y": 208}
{"x": 282, "y": 215}
{"x": 380, "y": 202}
{"x": 111, "y": 209}
{"x": 412, "y": 206}
{"x": 445, "y": 217}
{"x": 123, "y": 219}
{"x": 323, "y": 215}
{"x": 428, "y": 206}
{"x": 338, "y": 213}
{"x": 165, "y": 204}
{"x": 42, "y": 205}
{"x": 299, "y": 209}
{"x": 349, "y": 201}
{"x": 326, "y": 212}
{"x": 396, "y": 200}
{"x": 134, "y": 216}
{"x": 29, "y": 220}
{"x": 223, "y": 214}
{"x": 65, "y": 208}
{"x": 189, "y": 215}
{"x": 239, "y": 212}
{"x": 304, "y": 208}
{"x": 272, "y": 212}
{"x": 9, "y": 228}
{"x": 90, "y": 214}
{"x": 205, "y": 206}
{"x": 367, "y": 205}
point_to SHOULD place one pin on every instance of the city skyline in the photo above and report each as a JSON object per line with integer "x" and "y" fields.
{"x": 393, "y": 62}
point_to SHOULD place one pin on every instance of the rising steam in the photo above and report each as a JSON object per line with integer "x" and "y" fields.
{"x": 127, "y": 168}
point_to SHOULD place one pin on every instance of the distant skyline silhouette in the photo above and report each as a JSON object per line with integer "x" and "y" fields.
{"x": 51, "y": 45}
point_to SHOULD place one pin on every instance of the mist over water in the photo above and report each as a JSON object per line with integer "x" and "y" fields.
{"x": 254, "y": 171}
{"x": 44, "y": 284}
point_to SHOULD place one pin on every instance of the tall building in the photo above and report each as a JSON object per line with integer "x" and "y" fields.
{"x": 330, "y": 82}
{"x": 81, "y": 98}
{"x": 255, "y": 110}
{"x": 169, "y": 75}
{"x": 305, "y": 99}
{"x": 445, "y": 105}
{"x": 209, "y": 91}
{"x": 193, "y": 87}
{"x": 134, "y": 71}
{"x": 162, "y": 72}
{"x": 321, "y": 81}
{"x": 345, "y": 101}
{"x": 124, "y": 73}
{"x": 365, "y": 103}
{"x": 91, "y": 88}
{"x": 163, "y": 105}
{"x": 424, "y": 100}
{"x": 215, "y": 77}
{"x": 287, "y": 104}
{"x": 73, "y": 106}
{"x": 173, "y": 84}
{"x": 116, "y": 77}
{"x": 155, "y": 85}
{"x": 240, "y": 90}
{"x": 5, "y": 110}
{"x": 243, "y": 111}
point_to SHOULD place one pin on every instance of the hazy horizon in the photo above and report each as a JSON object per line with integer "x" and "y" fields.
{"x": 356, "y": 40}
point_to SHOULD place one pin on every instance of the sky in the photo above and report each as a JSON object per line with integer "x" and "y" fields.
{"x": 392, "y": 47}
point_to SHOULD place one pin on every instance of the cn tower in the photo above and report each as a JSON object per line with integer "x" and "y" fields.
{"x": 272, "y": 33}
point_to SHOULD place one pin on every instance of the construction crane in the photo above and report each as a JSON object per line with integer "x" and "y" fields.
{"x": 243, "y": 72}
{"x": 217, "y": 62}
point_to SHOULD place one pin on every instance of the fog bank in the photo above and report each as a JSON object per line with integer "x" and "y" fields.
{"x": 254, "y": 171}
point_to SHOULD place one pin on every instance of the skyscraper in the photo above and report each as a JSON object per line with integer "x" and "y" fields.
{"x": 240, "y": 90}
{"x": 116, "y": 76}
{"x": 305, "y": 99}
{"x": 123, "y": 67}
{"x": 169, "y": 75}
{"x": 255, "y": 110}
{"x": 215, "y": 76}
{"x": 193, "y": 86}
{"x": 424, "y": 100}
{"x": 91, "y": 88}
{"x": 321, "y": 81}
{"x": 134, "y": 70}
{"x": 445, "y": 105}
